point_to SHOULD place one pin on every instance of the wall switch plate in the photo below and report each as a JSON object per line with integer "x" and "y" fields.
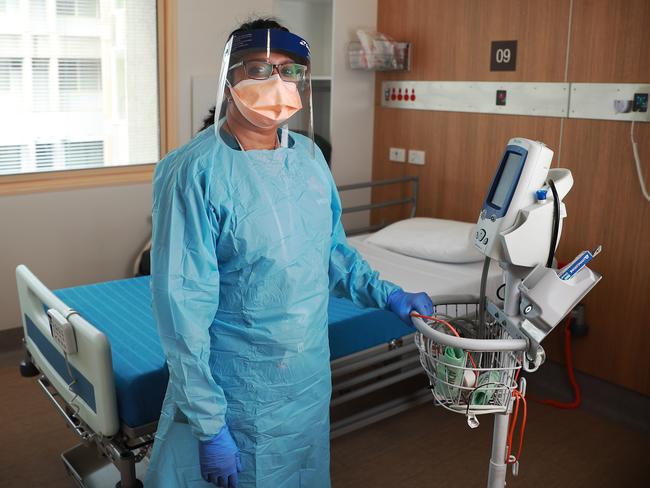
{"x": 397, "y": 154}
{"x": 416, "y": 157}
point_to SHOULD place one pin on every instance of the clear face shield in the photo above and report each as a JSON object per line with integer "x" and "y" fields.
{"x": 265, "y": 78}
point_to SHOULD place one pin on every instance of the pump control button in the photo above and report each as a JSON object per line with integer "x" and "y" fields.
{"x": 480, "y": 234}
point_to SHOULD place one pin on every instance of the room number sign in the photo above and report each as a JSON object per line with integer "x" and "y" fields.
{"x": 503, "y": 56}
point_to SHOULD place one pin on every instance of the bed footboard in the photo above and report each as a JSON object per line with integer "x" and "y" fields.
{"x": 82, "y": 380}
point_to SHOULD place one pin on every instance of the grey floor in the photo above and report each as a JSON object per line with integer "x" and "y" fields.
{"x": 425, "y": 447}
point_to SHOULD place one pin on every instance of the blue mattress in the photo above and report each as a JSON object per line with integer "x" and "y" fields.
{"x": 122, "y": 310}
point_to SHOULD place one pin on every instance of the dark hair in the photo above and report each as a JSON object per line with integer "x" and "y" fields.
{"x": 259, "y": 23}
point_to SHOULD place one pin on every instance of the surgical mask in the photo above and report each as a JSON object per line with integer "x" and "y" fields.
{"x": 266, "y": 103}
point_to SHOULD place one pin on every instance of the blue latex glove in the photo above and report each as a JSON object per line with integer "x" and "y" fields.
{"x": 219, "y": 458}
{"x": 402, "y": 304}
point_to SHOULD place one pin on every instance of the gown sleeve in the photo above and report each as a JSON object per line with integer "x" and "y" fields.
{"x": 350, "y": 276}
{"x": 185, "y": 293}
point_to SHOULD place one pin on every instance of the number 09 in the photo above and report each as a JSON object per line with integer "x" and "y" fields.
{"x": 503, "y": 55}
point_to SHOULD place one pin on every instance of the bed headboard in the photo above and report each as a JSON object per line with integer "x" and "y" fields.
{"x": 412, "y": 200}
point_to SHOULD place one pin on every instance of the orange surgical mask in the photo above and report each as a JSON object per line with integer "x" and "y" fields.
{"x": 266, "y": 103}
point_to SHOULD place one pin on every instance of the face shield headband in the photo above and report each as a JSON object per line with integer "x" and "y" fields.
{"x": 271, "y": 40}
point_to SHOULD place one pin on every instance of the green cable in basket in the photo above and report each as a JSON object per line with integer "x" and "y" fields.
{"x": 486, "y": 385}
{"x": 455, "y": 358}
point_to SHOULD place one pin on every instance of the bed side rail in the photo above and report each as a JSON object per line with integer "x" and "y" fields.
{"x": 83, "y": 380}
{"x": 413, "y": 199}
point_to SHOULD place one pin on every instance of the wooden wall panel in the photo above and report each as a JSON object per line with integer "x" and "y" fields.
{"x": 606, "y": 207}
{"x": 451, "y": 41}
{"x": 610, "y": 41}
{"x": 609, "y": 44}
{"x": 452, "y": 38}
{"x": 462, "y": 153}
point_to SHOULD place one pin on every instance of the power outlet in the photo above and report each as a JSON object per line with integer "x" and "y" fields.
{"x": 416, "y": 157}
{"x": 578, "y": 324}
{"x": 397, "y": 154}
{"x": 640, "y": 102}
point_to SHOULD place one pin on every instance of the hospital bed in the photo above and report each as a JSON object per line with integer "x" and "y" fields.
{"x": 110, "y": 389}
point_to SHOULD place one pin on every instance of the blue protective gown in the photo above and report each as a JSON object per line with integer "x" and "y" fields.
{"x": 247, "y": 246}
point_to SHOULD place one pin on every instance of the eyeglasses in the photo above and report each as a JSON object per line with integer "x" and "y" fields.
{"x": 262, "y": 70}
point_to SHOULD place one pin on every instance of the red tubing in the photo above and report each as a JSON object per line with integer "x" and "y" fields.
{"x": 568, "y": 357}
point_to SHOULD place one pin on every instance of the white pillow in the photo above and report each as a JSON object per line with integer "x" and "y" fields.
{"x": 445, "y": 241}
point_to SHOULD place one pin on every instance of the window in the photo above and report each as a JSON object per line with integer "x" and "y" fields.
{"x": 9, "y": 43}
{"x": 38, "y": 10}
{"x": 77, "y": 8}
{"x": 9, "y": 6}
{"x": 11, "y": 158}
{"x": 80, "y": 75}
{"x": 78, "y": 85}
{"x": 40, "y": 84}
{"x": 11, "y": 75}
{"x": 83, "y": 154}
{"x": 45, "y": 156}
{"x": 41, "y": 46}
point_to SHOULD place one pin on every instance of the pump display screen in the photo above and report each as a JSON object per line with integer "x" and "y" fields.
{"x": 510, "y": 171}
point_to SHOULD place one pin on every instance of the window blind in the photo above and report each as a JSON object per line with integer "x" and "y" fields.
{"x": 81, "y": 8}
{"x": 78, "y": 84}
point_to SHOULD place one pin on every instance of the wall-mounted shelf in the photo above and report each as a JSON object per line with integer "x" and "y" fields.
{"x": 396, "y": 58}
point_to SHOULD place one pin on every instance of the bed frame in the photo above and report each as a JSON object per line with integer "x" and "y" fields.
{"x": 93, "y": 414}
{"x": 412, "y": 200}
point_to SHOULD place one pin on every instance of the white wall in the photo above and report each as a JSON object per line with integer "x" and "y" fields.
{"x": 70, "y": 238}
{"x": 203, "y": 28}
{"x": 311, "y": 19}
{"x": 353, "y": 112}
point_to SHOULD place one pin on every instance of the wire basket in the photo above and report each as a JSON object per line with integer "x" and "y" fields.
{"x": 475, "y": 372}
